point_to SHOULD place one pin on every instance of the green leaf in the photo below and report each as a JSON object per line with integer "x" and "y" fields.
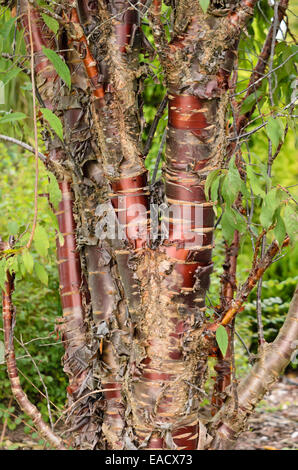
{"x": 22, "y": 266}
{"x": 232, "y": 184}
{"x": 210, "y": 180}
{"x": 214, "y": 188}
{"x": 275, "y": 130}
{"x": 3, "y": 270}
{"x": 227, "y": 224}
{"x": 239, "y": 221}
{"x": 61, "y": 239}
{"x": 279, "y": 229}
{"x": 9, "y": 75}
{"x": 51, "y": 23}
{"x": 11, "y": 117}
{"x": 41, "y": 241}
{"x": 204, "y": 5}
{"x": 54, "y": 190}
{"x": 53, "y": 218}
{"x": 41, "y": 273}
{"x": 6, "y": 27}
{"x": 255, "y": 182}
{"x": 59, "y": 65}
{"x": 12, "y": 264}
{"x": 250, "y": 101}
{"x": 222, "y": 339}
{"x": 270, "y": 204}
{"x": 291, "y": 222}
{"x": 54, "y": 121}
{"x": 27, "y": 260}
{"x": 12, "y": 227}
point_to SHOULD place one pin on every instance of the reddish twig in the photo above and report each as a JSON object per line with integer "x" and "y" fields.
{"x": 256, "y": 273}
{"x": 26, "y": 406}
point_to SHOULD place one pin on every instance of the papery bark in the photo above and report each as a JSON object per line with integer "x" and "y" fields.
{"x": 134, "y": 322}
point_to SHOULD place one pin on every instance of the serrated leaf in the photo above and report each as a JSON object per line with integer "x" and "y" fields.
{"x": 3, "y": 277}
{"x": 11, "y": 117}
{"x": 54, "y": 190}
{"x": 27, "y": 260}
{"x": 274, "y": 130}
{"x": 239, "y": 221}
{"x": 60, "y": 66}
{"x": 6, "y": 27}
{"x": 291, "y": 222}
{"x": 7, "y": 76}
{"x": 41, "y": 241}
{"x": 269, "y": 206}
{"x": 204, "y": 5}
{"x": 255, "y": 182}
{"x": 279, "y": 229}
{"x": 210, "y": 180}
{"x": 53, "y": 218}
{"x": 222, "y": 339}
{"x": 51, "y": 23}
{"x": 250, "y": 101}
{"x": 12, "y": 264}
{"x": 41, "y": 273}
{"x": 22, "y": 266}
{"x": 231, "y": 184}
{"x": 215, "y": 188}
{"x": 54, "y": 121}
{"x": 227, "y": 225}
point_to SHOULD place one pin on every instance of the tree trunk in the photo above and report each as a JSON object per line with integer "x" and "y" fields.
{"x": 137, "y": 338}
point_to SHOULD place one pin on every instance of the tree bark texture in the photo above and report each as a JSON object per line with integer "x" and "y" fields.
{"x": 136, "y": 336}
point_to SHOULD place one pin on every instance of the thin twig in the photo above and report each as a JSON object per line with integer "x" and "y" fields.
{"x": 154, "y": 124}
{"x": 159, "y": 156}
{"x": 6, "y": 138}
{"x": 42, "y": 381}
{"x": 5, "y": 423}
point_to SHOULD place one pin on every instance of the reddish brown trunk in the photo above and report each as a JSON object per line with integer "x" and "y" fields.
{"x": 142, "y": 336}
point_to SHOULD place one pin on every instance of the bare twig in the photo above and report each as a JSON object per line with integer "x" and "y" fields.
{"x": 6, "y": 138}
{"x": 154, "y": 124}
{"x": 42, "y": 381}
{"x": 5, "y": 423}
{"x": 251, "y": 281}
{"x": 158, "y": 157}
{"x": 19, "y": 394}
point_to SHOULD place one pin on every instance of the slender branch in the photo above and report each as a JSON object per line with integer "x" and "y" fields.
{"x": 6, "y": 138}
{"x": 154, "y": 125}
{"x": 258, "y": 71}
{"x": 42, "y": 381}
{"x": 274, "y": 357}
{"x": 162, "y": 143}
{"x": 26, "y": 406}
{"x": 251, "y": 281}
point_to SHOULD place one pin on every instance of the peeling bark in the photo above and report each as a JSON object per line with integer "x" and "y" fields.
{"x": 134, "y": 322}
